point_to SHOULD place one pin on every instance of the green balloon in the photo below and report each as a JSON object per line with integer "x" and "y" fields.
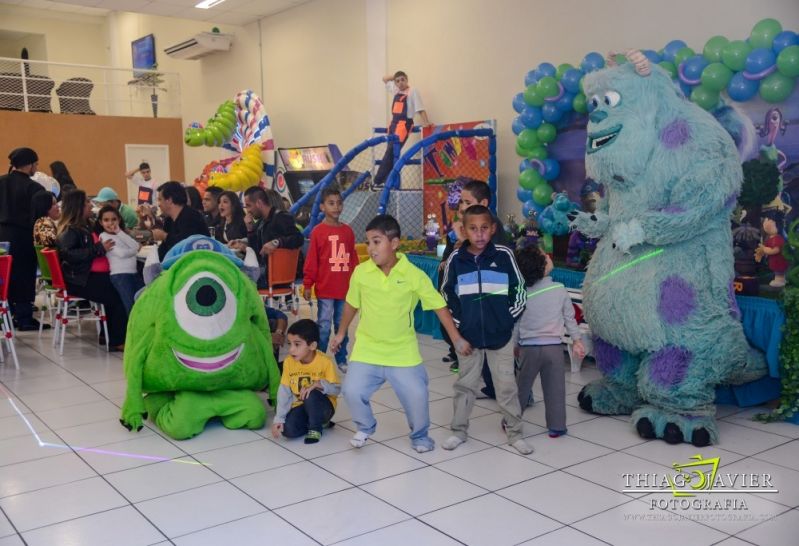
{"x": 682, "y": 54}
{"x": 669, "y": 67}
{"x": 548, "y": 86}
{"x": 522, "y": 152}
{"x": 542, "y": 194}
{"x": 528, "y": 139}
{"x": 532, "y": 96}
{"x": 713, "y": 48}
{"x": 539, "y": 152}
{"x": 788, "y": 61}
{"x": 562, "y": 68}
{"x": 705, "y": 97}
{"x": 546, "y": 132}
{"x": 776, "y": 87}
{"x": 763, "y": 33}
{"x": 734, "y": 55}
{"x": 579, "y": 103}
{"x": 716, "y": 76}
{"x": 530, "y": 178}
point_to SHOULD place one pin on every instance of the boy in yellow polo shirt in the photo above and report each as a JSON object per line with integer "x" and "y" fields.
{"x": 386, "y": 290}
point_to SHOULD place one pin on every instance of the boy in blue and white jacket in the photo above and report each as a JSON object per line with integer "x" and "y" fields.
{"x": 485, "y": 293}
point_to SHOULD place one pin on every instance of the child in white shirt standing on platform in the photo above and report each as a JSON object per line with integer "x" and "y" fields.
{"x": 537, "y": 337}
{"x": 121, "y": 257}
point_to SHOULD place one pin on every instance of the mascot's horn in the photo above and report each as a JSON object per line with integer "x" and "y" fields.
{"x": 642, "y": 66}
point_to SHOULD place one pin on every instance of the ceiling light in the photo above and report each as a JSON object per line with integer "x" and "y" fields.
{"x": 207, "y": 4}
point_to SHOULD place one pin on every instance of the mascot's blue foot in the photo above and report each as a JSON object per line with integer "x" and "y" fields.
{"x": 674, "y": 428}
{"x": 604, "y": 398}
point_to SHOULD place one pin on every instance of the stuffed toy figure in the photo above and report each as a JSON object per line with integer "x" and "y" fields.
{"x": 198, "y": 345}
{"x": 658, "y": 292}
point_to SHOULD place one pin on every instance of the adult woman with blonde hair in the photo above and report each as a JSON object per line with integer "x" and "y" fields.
{"x": 77, "y": 251}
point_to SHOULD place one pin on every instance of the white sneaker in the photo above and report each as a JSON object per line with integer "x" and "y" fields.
{"x": 452, "y": 442}
{"x": 522, "y": 447}
{"x": 359, "y": 439}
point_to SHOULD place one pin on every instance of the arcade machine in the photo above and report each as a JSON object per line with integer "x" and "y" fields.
{"x": 299, "y": 169}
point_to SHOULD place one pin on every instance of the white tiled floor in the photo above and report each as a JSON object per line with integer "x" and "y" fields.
{"x": 101, "y": 484}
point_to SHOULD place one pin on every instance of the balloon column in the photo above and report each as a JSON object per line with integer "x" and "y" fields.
{"x": 765, "y": 64}
{"x": 240, "y": 126}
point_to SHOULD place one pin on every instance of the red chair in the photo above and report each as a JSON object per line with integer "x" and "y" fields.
{"x": 282, "y": 271}
{"x": 63, "y": 301}
{"x": 5, "y": 314}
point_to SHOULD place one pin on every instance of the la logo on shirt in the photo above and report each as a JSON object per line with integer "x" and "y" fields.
{"x": 339, "y": 257}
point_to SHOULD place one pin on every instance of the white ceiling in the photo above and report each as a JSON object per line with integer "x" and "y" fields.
{"x": 231, "y": 12}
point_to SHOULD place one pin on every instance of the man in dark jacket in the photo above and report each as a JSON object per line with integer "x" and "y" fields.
{"x": 186, "y": 221}
{"x": 268, "y": 227}
{"x": 16, "y": 226}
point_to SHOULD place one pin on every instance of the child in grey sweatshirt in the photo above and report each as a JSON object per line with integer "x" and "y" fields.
{"x": 537, "y": 337}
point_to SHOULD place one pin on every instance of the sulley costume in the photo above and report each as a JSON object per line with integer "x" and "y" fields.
{"x": 198, "y": 345}
{"x": 658, "y": 291}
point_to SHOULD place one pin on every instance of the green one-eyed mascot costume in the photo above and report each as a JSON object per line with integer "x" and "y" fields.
{"x": 198, "y": 345}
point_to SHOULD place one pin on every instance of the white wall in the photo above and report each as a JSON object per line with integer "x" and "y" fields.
{"x": 469, "y": 57}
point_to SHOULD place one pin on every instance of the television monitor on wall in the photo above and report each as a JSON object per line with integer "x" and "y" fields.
{"x": 143, "y": 51}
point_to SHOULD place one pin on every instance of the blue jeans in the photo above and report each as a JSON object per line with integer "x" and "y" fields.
{"x": 330, "y": 314}
{"x": 409, "y": 384}
{"x": 127, "y": 284}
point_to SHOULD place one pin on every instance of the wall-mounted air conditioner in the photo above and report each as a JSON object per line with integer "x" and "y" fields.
{"x": 200, "y": 45}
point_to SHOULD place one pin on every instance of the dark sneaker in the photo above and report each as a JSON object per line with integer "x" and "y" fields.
{"x": 556, "y": 433}
{"x": 313, "y": 437}
{"x": 449, "y": 358}
{"x": 454, "y": 367}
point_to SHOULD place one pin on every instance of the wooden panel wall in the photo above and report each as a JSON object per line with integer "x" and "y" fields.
{"x": 93, "y": 147}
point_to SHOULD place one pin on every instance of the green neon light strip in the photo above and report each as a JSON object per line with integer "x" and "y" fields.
{"x": 529, "y": 294}
{"x": 630, "y": 264}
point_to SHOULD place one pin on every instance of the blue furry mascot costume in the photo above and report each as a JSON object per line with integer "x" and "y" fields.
{"x": 658, "y": 291}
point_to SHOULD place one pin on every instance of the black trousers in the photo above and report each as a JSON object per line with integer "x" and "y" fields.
{"x": 22, "y": 289}
{"x": 99, "y": 289}
{"x": 386, "y": 164}
{"x": 311, "y": 415}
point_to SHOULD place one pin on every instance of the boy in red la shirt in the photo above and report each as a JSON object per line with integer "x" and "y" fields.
{"x": 329, "y": 265}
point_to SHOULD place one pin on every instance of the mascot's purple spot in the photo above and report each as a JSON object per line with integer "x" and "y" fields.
{"x": 673, "y": 209}
{"x": 608, "y": 357}
{"x": 731, "y": 201}
{"x": 675, "y": 134}
{"x": 677, "y": 300}
{"x": 668, "y": 366}
{"x": 735, "y": 312}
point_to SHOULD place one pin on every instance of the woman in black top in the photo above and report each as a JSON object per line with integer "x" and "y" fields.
{"x": 77, "y": 250}
{"x": 231, "y": 218}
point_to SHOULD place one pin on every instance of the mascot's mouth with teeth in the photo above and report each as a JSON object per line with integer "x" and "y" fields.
{"x": 209, "y": 364}
{"x": 600, "y": 139}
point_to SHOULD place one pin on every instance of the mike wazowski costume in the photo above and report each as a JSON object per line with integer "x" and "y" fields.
{"x": 658, "y": 292}
{"x": 198, "y": 345}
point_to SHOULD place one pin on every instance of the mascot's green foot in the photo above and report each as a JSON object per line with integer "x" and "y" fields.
{"x": 155, "y": 401}
{"x": 603, "y": 398}
{"x": 186, "y": 415}
{"x": 246, "y": 410}
{"x": 675, "y": 428}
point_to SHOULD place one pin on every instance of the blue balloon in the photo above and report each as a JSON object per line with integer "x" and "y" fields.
{"x": 693, "y": 67}
{"x": 685, "y": 88}
{"x": 531, "y": 117}
{"x": 530, "y": 206}
{"x": 672, "y": 48}
{"x": 523, "y": 195}
{"x": 653, "y": 56}
{"x": 530, "y": 78}
{"x": 740, "y": 89}
{"x": 551, "y": 169}
{"x": 547, "y": 69}
{"x": 564, "y": 104}
{"x": 592, "y": 61}
{"x": 759, "y": 60}
{"x": 525, "y": 164}
{"x": 571, "y": 80}
{"x": 551, "y": 113}
{"x": 517, "y": 126}
{"x": 786, "y": 38}
{"x": 518, "y": 103}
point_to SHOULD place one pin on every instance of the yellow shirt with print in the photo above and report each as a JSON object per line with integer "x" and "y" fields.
{"x": 385, "y": 335}
{"x": 297, "y": 375}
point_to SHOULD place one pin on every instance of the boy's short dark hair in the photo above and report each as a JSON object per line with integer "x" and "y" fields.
{"x": 477, "y": 210}
{"x": 400, "y": 73}
{"x": 477, "y": 188}
{"x": 385, "y": 224}
{"x": 532, "y": 263}
{"x": 215, "y": 191}
{"x": 305, "y": 329}
{"x": 143, "y": 166}
{"x": 256, "y": 193}
{"x": 174, "y": 191}
{"x": 330, "y": 190}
